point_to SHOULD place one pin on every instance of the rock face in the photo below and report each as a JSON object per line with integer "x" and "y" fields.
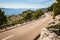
{"x": 48, "y": 35}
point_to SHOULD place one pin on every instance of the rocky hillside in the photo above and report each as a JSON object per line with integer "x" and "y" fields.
{"x": 48, "y": 35}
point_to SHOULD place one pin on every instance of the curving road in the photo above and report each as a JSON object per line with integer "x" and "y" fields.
{"x": 26, "y": 32}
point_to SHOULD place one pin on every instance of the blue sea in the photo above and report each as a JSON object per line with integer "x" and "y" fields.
{"x": 9, "y": 11}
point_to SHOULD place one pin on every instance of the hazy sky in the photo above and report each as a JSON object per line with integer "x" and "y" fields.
{"x": 25, "y": 3}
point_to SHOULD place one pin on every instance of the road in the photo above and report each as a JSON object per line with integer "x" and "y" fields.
{"x": 26, "y": 32}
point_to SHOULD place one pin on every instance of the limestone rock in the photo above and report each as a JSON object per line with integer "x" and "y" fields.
{"x": 48, "y": 35}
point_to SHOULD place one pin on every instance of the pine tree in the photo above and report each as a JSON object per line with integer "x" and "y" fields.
{"x": 3, "y": 18}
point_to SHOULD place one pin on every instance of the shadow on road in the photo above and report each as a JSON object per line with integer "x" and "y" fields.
{"x": 37, "y": 37}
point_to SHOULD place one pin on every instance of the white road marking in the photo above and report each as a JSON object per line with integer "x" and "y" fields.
{"x": 8, "y": 37}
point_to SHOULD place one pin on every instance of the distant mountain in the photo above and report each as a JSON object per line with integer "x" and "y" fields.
{"x": 44, "y": 9}
{"x": 10, "y": 11}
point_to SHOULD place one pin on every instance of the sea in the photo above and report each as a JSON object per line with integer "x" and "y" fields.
{"x": 10, "y": 11}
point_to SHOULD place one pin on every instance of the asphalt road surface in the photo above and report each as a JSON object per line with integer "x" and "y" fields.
{"x": 28, "y": 31}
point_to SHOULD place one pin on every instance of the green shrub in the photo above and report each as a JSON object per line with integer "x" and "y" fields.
{"x": 57, "y": 26}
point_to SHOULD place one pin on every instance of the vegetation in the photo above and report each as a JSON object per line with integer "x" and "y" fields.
{"x": 57, "y": 26}
{"x": 28, "y": 15}
{"x": 3, "y": 18}
{"x": 51, "y": 7}
{"x": 37, "y": 14}
{"x": 55, "y": 8}
{"x": 25, "y": 16}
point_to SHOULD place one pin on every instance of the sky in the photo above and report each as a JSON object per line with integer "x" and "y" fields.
{"x": 25, "y": 3}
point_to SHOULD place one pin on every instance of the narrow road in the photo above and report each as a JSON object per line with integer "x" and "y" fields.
{"x": 26, "y": 32}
